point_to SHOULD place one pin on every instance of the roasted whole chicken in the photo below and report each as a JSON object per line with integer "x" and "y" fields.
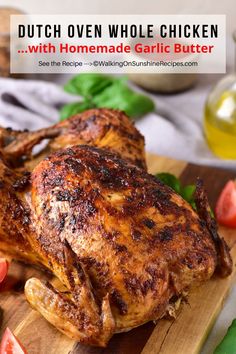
{"x": 124, "y": 246}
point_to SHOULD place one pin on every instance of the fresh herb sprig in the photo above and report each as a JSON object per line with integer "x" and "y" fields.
{"x": 186, "y": 192}
{"x": 228, "y": 343}
{"x": 105, "y": 91}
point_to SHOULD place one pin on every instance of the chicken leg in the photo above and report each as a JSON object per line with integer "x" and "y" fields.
{"x": 123, "y": 245}
{"x": 75, "y": 312}
{"x": 137, "y": 243}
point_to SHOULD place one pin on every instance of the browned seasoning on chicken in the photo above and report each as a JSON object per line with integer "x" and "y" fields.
{"x": 103, "y": 128}
{"x": 124, "y": 245}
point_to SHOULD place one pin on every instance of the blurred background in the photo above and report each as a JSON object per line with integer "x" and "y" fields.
{"x": 227, "y": 7}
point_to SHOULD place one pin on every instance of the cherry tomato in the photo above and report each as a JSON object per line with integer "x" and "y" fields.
{"x": 3, "y": 269}
{"x": 10, "y": 344}
{"x": 226, "y": 205}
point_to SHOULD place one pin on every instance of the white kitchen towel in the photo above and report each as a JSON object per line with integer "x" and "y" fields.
{"x": 30, "y": 104}
{"x": 174, "y": 129}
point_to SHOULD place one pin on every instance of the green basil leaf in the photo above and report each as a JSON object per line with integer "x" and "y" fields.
{"x": 193, "y": 205}
{"x": 170, "y": 180}
{"x": 71, "y": 109}
{"x": 187, "y": 192}
{"x": 228, "y": 343}
{"x": 139, "y": 105}
{"x": 212, "y": 213}
{"x": 88, "y": 84}
{"x": 120, "y": 96}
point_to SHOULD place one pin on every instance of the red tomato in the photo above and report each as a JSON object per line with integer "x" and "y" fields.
{"x": 10, "y": 344}
{"x": 226, "y": 205}
{"x": 3, "y": 269}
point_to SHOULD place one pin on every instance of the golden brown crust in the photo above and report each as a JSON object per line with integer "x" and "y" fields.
{"x": 104, "y": 128}
{"x": 136, "y": 239}
{"x": 224, "y": 262}
{"x": 123, "y": 245}
{"x": 14, "y": 216}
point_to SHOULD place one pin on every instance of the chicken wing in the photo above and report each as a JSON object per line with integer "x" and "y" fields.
{"x": 123, "y": 245}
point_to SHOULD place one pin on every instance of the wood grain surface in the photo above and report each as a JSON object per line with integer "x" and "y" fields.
{"x": 184, "y": 335}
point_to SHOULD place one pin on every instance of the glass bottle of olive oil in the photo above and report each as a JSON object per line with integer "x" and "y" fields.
{"x": 220, "y": 118}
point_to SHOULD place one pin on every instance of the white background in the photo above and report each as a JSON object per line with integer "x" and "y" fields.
{"x": 207, "y": 63}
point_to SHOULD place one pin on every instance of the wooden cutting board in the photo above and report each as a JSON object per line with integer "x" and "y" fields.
{"x": 185, "y": 335}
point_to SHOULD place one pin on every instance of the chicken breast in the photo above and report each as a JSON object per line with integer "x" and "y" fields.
{"x": 109, "y": 129}
{"x": 118, "y": 239}
{"x": 123, "y": 246}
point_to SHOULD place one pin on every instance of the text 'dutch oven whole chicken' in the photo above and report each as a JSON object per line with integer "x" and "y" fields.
{"x": 124, "y": 245}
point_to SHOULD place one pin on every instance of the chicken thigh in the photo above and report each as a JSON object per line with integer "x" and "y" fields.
{"x": 123, "y": 245}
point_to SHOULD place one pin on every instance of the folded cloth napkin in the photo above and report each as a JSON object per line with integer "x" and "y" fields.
{"x": 30, "y": 104}
{"x": 174, "y": 129}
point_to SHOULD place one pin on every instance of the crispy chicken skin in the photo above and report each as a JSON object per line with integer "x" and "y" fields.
{"x": 123, "y": 245}
{"x": 103, "y": 128}
{"x": 14, "y": 217}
